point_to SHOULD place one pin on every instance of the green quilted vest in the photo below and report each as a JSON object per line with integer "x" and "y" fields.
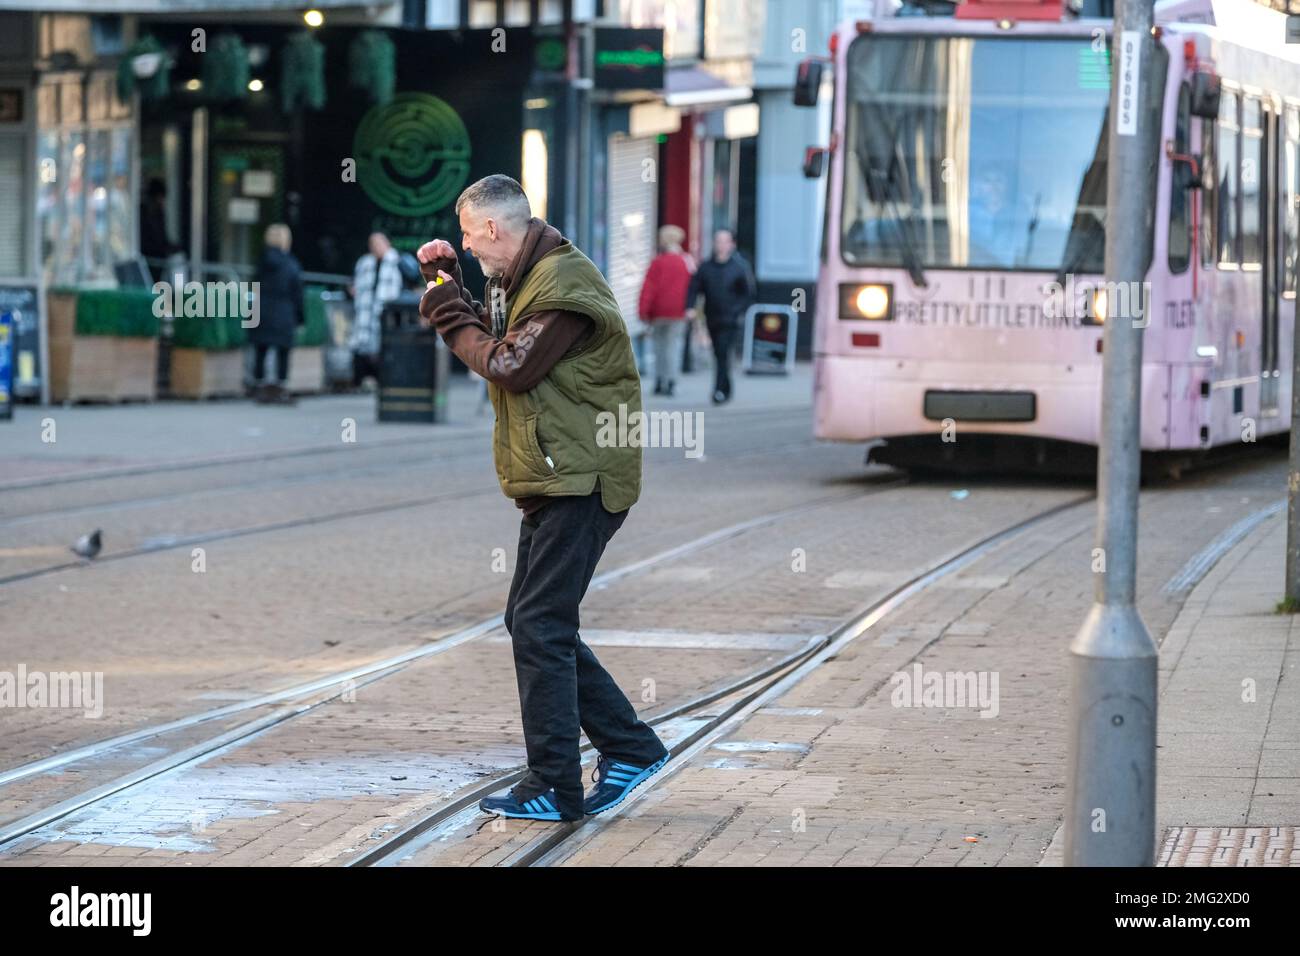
{"x": 557, "y": 419}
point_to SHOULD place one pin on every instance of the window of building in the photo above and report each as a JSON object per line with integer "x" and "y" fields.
{"x": 85, "y": 211}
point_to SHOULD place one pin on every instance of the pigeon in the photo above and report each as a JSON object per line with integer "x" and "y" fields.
{"x": 88, "y": 545}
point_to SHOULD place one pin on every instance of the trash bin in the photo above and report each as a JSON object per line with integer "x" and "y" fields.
{"x": 338, "y": 356}
{"x": 413, "y": 365}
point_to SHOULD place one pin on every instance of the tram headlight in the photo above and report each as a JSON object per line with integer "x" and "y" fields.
{"x": 871, "y": 300}
{"x": 1097, "y": 306}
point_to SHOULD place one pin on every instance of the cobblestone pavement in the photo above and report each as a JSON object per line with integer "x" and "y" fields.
{"x": 318, "y": 560}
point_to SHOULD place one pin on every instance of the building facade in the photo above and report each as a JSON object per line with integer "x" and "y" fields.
{"x": 618, "y": 116}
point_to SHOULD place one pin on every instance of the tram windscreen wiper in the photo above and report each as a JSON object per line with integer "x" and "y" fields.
{"x": 882, "y": 187}
{"x": 1082, "y": 252}
{"x": 1092, "y": 195}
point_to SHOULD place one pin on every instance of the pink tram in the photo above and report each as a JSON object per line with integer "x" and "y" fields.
{"x": 961, "y": 292}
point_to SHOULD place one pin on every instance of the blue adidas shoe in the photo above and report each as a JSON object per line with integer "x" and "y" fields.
{"x": 541, "y": 807}
{"x": 614, "y": 781}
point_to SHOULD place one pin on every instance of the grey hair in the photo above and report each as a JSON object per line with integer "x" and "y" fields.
{"x": 500, "y": 194}
{"x": 278, "y": 235}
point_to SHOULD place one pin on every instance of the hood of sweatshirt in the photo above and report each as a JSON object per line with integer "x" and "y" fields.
{"x": 540, "y": 239}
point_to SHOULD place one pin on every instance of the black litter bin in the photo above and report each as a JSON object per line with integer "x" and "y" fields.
{"x": 412, "y": 364}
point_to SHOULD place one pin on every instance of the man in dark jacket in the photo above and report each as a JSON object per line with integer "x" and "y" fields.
{"x": 727, "y": 283}
{"x": 280, "y": 312}
{"x": 554, "y": 349}
{"x": 155, "y": 243}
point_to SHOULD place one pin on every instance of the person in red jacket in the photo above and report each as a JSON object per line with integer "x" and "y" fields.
{"x": 663, "y": 303}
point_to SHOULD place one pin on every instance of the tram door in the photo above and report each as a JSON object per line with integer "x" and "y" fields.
{"x": 1268, "y": 234}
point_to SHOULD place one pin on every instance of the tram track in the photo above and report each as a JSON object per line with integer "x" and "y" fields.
{"x": 168, "y": 543}
{"x": 330, "y": 686}
{"x": 334, "y": 448}
{"x": 754, "y": 691}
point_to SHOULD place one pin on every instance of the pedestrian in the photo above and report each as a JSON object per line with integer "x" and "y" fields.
{"x": 377, "y": 280}
{"x": 156, "y": 243}
{"x": 727, "y": 283}
{"x": 279, "y": 313}
{"x": 663, "y": 303}
{"x": 555, "y": 351}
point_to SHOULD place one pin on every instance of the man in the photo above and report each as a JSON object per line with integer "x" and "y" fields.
{"x": 376, "y": 281}
{"x": 155, "y": 243}
{"x": 727, "y": 283}
{"x": 554, "y": 349}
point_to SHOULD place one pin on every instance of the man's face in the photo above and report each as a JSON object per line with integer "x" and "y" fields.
{"x": 990, "y": 191}
{"x": 723, "y": 245}
{"x": 378, "y": 245}
{"x": 483, "y": 240}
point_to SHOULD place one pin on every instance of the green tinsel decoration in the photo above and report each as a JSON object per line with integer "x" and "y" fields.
{"x": 372, "y": 65}
{"x": 155, "y": 87}
{"x": 225, "y": 68}
{"x": 302, "y": 73}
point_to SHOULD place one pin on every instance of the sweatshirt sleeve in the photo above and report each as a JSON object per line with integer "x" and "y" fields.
{"x": 429, "y": 270}
{"x": 517, "y": 362}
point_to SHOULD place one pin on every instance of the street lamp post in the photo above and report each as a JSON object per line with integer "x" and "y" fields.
{"x": 1110, "y": 816}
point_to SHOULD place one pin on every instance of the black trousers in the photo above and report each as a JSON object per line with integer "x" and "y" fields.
{"x": 363, "y": 365}
{"x": 723, "y": 338}
{"x": 281, "y": 362}
{"x": 562, "y": 687}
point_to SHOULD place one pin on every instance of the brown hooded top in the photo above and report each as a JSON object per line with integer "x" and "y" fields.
{"x": 466, "y": 326}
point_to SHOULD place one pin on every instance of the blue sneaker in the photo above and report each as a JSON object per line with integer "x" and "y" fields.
{"x": 541, "y": 807}
{"x": 614, "y": 781}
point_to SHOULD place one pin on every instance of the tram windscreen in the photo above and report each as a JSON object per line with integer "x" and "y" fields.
{"x": 982, "y": 153}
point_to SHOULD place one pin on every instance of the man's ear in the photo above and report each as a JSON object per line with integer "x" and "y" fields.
{"x": 492, "y": 230}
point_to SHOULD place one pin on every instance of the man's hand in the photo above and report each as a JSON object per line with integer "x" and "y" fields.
{"x": 429, "y": 301}
{"x": 437, "y": 257}
{"x": 437, "y": 249}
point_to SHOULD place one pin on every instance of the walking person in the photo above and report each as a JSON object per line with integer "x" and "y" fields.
{"x": 280, "y": 312}
{"x": 727, "y": 283}
{"x": 663, "y": 304}
{"x": 554, "y": 349}
{"x": 155, "y": 242}
{"x": 376, "y": 281}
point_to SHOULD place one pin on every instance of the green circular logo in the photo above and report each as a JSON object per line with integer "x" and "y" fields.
{"x": 412, "y": 154}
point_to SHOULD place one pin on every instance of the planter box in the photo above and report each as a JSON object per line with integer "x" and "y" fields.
{"x": 203, "y": 373}
{"x": 96, "y": 367}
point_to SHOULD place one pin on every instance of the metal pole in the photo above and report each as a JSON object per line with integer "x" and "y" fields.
{"x": 1293, "y": 476}
{"x": 1293, "y": 485}
{"x": 1110, "y": 816}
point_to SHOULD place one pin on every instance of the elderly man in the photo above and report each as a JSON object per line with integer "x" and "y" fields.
{"x": 553, "y": 346}
{"x": 376, "y": 281}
